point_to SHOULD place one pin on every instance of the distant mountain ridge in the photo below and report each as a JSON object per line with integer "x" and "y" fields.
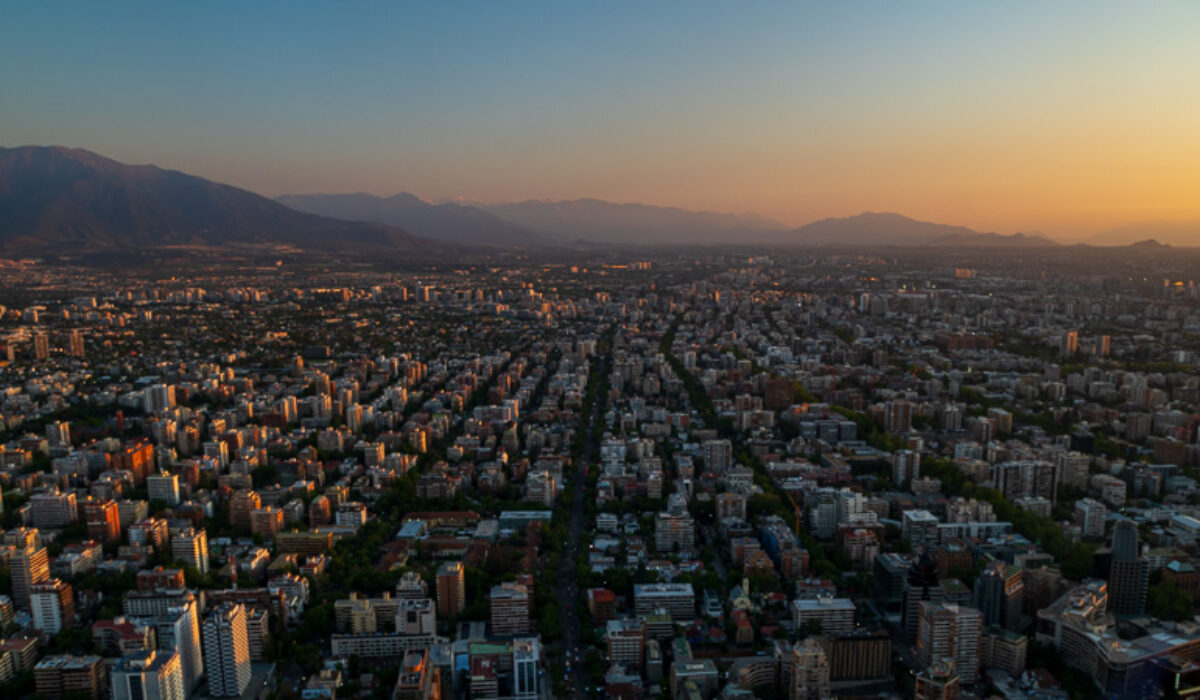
{"x": 1175, "y": 233}
{"x": 890, "y": 229}
{"x": 63, "y": 199}
{"x": 55, "y": 198}
{"x": 612, "y": 223}
{"x": 449, "y": 222}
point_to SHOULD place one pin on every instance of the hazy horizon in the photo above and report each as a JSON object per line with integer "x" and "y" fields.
{"x": 1069, "y": 119}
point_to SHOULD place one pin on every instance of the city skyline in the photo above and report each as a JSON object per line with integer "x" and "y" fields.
{"x": 1070, "y": 120}
{"x": 521, "y": 351}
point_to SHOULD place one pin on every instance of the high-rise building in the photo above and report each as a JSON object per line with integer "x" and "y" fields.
{"x": 190, "y": 546}
{"x": 946, "y": 630}
{"x": 163, "y": 487}
{"x": 906, "y": 467}
{"x": 266, "y": 521}
{"x": 1069, "y": 344}
{"x": 898, "y": 416}
{"x": 52, "y": 604}
{"x": 103, "y": 519}
{"x": 860, "y": 655}
{"x": 58, "y": 433}
{"x": 53, "y": 509}
{"x": 29, "y": 567}
{"x": 178, "y": 629}
{"x": 241, "y": 505}
{"x": 75, "y": 343}
{"x": 527, "y": 656}
{"x": 158, "y": 397}
{"x": 831, "y": 615}
{"x": 1073, "y": 469}
{"x": 1090, "y": 515}
{"x": 451, "y": 589}
{"x": 999, "y": 595}
{"x": 1026, "y": 479}
{"x": 891, "y": 571}
{"x": 810, "y": 672}
{"x": 674, "y": 531}
{"x": 227, "y": 651}
{"x": 626, "y": 642}
{"x": 149, "y": 674}
{"x": 920, "y": 528}
{"x": 41, "y": 345}
{"x": 1129, "y": 574}
{"x": 921, "y": 586}
{"x": 1003, "y": 649}
{"x": 510, "y": 605}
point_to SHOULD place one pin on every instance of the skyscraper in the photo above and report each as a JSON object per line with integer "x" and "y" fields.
{"x": 1129, "y": 575}
{"x": 149, "y": 674}
{"x": 227, "y": 651}
{"x": 179, "y": 631}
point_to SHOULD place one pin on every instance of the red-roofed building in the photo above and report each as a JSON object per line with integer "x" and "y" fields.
{"x": 602, "y": 604}
{"x": 119, "y": 636}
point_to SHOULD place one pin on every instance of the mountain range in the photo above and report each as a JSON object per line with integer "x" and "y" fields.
{"x": 598, "y": 222}
{"x": 450, "y": 222}
{"x": 1175, "y": 233}
{"x": 65, "y": 199}
{"x": 875, "y": 229}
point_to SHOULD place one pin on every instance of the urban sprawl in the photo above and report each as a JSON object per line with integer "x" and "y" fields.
{"x": 690, "y": 475}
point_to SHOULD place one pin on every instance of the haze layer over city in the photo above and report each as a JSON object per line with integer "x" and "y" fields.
{"x": 628, "y": 350}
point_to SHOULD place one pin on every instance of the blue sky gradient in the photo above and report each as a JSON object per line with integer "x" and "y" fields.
{"x": 1064, "y": 117}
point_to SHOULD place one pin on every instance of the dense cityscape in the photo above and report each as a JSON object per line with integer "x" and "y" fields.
{"x": 684, "y": 474}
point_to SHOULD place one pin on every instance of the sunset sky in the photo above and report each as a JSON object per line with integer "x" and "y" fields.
{"x": 1063, "y": 117}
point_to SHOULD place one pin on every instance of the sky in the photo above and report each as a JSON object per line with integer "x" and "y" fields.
{"x": 1066, "y": 117}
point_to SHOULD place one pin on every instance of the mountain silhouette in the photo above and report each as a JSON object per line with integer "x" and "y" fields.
{"x": 1175, "y": 233}
{"x": 453, "y": 223}
{"x": 888, "y": 229}
{"x": 597, "y": 221}
{"x": 65, "y": 199}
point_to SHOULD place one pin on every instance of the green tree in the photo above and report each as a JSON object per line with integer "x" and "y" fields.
{"x": 1167, "y": 601}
